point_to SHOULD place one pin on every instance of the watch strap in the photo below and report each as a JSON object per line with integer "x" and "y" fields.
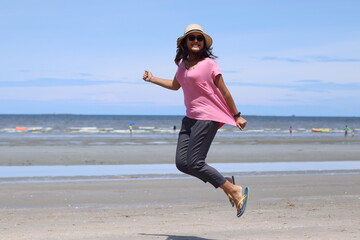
{"x": 237, "y": 115}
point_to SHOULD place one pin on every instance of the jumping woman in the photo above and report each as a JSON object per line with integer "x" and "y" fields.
{"x": 209, "y": 105}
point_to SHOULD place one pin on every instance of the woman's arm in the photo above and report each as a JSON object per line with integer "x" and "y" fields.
{"x": 219, "y": 82}
{"x": 166, "y": 83}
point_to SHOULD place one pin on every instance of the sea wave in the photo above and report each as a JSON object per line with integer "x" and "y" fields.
{"x": 150, "y": 130}
{"x": 100, "y": 129}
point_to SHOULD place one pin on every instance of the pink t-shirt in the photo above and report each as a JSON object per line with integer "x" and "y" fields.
{"x": 203, "y": 100}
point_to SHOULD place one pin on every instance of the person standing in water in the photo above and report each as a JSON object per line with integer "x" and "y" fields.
{"x": 346, "y": 130}
{"x": 130, "y": 129}
{"x": 209, "y": 105}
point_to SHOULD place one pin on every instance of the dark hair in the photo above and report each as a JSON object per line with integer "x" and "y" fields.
{"x": 182, "y": 52}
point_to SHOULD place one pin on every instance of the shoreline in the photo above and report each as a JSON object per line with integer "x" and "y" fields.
{"x": 180, "y": 176}
{"x": 152, "y": 171}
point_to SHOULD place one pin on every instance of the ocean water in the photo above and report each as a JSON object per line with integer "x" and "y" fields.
{"x": 115, "y": 129}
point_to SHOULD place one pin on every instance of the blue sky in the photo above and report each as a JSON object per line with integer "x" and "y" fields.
{"x": 280, "y": 57}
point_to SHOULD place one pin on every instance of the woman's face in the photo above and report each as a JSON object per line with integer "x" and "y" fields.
{"x": 195, "y": 42}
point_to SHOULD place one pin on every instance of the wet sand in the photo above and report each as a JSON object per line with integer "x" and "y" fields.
{"x": 150, "y": 153}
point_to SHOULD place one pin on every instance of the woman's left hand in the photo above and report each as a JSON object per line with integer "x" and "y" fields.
{"x": 241, "y": 122}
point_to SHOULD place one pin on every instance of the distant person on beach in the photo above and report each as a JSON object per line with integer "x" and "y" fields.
{"x": 290, "y": 130}
{"x": 209, "y": 105}
{"x": 174, "y": 128}
{"x": 346, "y": 130}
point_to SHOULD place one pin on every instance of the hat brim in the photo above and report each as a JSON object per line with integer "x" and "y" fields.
{"x": 208, "y": 39}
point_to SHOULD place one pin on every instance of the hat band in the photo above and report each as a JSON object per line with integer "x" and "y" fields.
{"x": 193, "y": 30}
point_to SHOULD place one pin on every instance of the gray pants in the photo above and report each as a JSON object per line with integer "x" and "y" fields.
{"x": 194, "y": 141}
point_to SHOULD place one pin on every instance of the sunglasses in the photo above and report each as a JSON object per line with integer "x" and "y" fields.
{"x": 200, "y": 38}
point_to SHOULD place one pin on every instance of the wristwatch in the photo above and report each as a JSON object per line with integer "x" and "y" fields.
{"x": 237, "y": 115}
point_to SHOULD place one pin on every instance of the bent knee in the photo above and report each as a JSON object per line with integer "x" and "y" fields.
{"x": 181, "y": 165}
{"x": 196, "y": 167}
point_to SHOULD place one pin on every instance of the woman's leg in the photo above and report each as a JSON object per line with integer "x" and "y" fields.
{"x": 186, "y": 150}
{"x": 182, "y": 146}
{"x": 193, "y": 146}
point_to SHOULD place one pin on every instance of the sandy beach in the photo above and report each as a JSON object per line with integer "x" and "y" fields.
{"x": 323, "y": 205}
{"x": 283, "y": 207}
{"x": 96, "y": 95}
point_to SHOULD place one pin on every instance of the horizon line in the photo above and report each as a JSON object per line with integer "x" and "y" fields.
{"x": 180, "y": 115}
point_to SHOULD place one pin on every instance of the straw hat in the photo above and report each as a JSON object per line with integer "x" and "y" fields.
{"x": 195, "y": 28}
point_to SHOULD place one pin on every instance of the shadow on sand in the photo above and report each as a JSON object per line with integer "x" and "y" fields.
{"x": 176, "y": 237}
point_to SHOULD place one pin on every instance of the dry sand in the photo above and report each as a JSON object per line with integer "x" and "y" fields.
{"x": 281, "y": 207}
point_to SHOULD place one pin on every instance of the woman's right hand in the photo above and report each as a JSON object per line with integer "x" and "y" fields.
{"x": 241, "y": 122}
{"x": 147, "y": 76}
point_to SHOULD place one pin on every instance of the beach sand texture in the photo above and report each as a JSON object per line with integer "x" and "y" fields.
{"x": 283, "y": 207}
{"x": 293, "y": 206}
